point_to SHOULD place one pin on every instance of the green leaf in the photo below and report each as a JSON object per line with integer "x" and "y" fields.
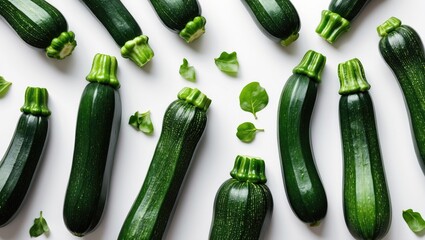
{"x": 414, "y": 220}
{"x": 187, "y": 72}
{"x": 246, "y": 132}
{"x": 142, "y": 122}
{"x": 228, "y": 63}
{"x": 4, "y": 86}
{"x": 39, "y": 227}
{"x": 253, "y": 98}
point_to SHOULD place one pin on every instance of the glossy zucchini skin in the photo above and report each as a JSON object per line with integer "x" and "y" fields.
{"x": 278, "y": 19}
{"x": 38, "y": 23}
{"x": 184, "y": 122}
{"x": 303, "y": 186}
{"x": 243, "y": 204}
{"x": 366, "y": 201}
{"x": 347, "y": 9}
{"x": 96, "y": 135}
{"x": 20, "y": 162}
{"x": 403, "y": 51}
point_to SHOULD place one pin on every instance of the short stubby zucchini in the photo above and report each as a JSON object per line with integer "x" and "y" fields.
{"x": 22, "y": 158}
{"x": 181, "y": 16}
{"x": 278, "y": 19}
{"x": 304, "y": 188}
{"x": 243, "y": 204}
{"x": 366, "y": 200}
{"x": 96, "y": 135}
{"x": 403, "y": 51}
{"x": 40, "y": 25}
{"x": 184, "y": 123}
{"x": 337, "y": 19}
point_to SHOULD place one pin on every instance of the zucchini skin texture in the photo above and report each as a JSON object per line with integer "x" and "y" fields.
{"x": 278, "y": 19}
{"x": 97, "y": 130}
{"x": 304, "y": 188}
{"x": 403, "y": 51}
{"x": 23, "y": 155}
{"x": 35, "y": 21}
{"x": 182, "y": 128}
{"x": 347, "y": 9}
{"x": 367, "y": 209}
{"x": 175, "y": 14}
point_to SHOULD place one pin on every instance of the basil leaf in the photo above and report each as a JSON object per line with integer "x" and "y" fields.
{"x": 39, "y": 227}
{"x": 414, "y": 220}
{"x": 187, "y": 72}
{"x": 228, "y": 63}
{"x": 253, "y": 98}
{"x": 142, "y": 122}
{"x": 246, "y": 132}
{"x": 4, "y": 86}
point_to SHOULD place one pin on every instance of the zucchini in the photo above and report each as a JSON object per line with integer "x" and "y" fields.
{"x": 123, "y": 28}
{"x": 96, "y": 135}
{"x": 181, "y": 16}
{"x": 366, "y": 201}
{"x": 304, "y": 189}
{"x": 22, "y": 158}
{"x": 40, "y": 25}
{"x": 337, "y": 19}
{"x": 184, "y": 122}
{"x": 243, "y": 204}
{"x": 403, "y": 51}
{"x": 278, "y": 19}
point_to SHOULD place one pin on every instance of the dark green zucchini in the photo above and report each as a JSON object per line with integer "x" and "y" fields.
{"x": 337, "y": 20}
{"x": 40, "y": 25}
{"x": 278, "y": 19}
{"x": 243, "y": 204}
{"x": 123, "y": 28}
{"x": 97, "y": 130}
{"x": 181, "y": 16}
{"x": 184, "y": 122}
{"x": 367, "y": 208}
{"x": 21, "y": 160}
{"x": 403, "y": 51}
{"x": 304, "y": 189}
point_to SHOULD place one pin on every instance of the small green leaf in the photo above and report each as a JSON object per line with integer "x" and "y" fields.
{"x": 39, "y": 227}
{"x": 246, "y": 132}
{"x": 414, "y": 220}
{"x": 253, "y": 98}
{"x": 228, "y": 63}
{"x": 142, "y": 122}
{"x": 4, "y": 86}
{"x": 187, "y": 72}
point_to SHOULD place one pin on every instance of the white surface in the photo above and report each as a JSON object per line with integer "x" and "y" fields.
{"x": 229, "y": 28}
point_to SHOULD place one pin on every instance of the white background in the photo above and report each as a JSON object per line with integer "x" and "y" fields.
{"x": 229, "y": 28}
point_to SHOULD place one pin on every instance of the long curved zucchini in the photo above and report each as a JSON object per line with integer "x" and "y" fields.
{"x": 21, "y": 160}
{"x": 184, "y": 122}
{"x": 304, "y": 189}
{"x": 181, "y": 16}
{"x": 337, "y": 20}
{"x": 278, "y": 19}
{"x": 123, "y": 28}
{"x": 97, "y": 130}
{"x": 243, "y": 204}
{"x": 403, "y": 51}
{"x": 367, "y": 208}
{"x": 40, "y": 25}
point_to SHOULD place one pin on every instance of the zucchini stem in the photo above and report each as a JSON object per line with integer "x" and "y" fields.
{"x": 193, "y": 29}
{"x": 352, "y": 77}
{"x": 195, "y": 97}
{"x": 249, "y": 169}
{"x": 36, "y": 102}
{"x": 104, "y": 70}
{"x": 388, "y": 26}
{"x": 292, "y": 38}
{"x": 62, "y": 46}
{"x": 332, "y": 26}
{"x": 138, "y": 50}
{"x": 311, "y": 65}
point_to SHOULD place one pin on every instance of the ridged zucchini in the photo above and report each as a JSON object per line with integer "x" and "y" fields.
{"x": 303, "y": 186}
{"x": 403, "y": 51}
{"x": 22, "y": 158}
{"x": 243, "y": 204}
{"x": 278, "y": 19}
{"x": 184, "y": 122}
{"x": 123, "y": 28}
{"x": 337, "y": 19}
{"x": 367, "y": 207}
{"x": 40, "y": 25}
{"x": 96, "y": 135}
{"x": 181, "y": 16}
